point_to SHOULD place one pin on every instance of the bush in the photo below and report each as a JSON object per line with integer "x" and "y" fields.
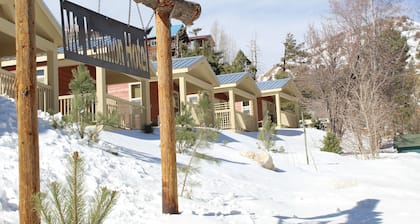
{"x": 148, "y": 129}
{"x": 331, "y": 143}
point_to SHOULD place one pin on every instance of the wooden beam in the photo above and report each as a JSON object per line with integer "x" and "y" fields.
{"x": 27, "y": 110}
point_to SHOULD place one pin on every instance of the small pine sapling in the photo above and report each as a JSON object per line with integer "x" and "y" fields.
{"x": 331, "y": 143}
{"x": 204, "y": 138}
{"x": 267, "y": 134}
{"x": 68, "y": 204}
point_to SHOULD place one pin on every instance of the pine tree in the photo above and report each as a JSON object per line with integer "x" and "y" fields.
{"x": 292, "y": 52}
{"x": 331, "y": 143}
{"x": 204, "y": 137}
{"x": 68, "y": 204}
{"x": 267, "y": 135}
{"x": 82, "y": 87}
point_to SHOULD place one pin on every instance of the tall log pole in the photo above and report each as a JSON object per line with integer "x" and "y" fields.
{"x": 26, "y": 108}
{"x": 166, "y": 113}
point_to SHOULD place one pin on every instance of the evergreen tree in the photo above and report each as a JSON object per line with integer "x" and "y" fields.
{"x": 198, "y": 138}
{"x": 331, "y": 143}
{"x": 241, "y": 63}
{"x": 82, "y": 87}
{"x": 292, "y": 52}
{"x": 68, "y": 205}
{"x": 267, "y": 135}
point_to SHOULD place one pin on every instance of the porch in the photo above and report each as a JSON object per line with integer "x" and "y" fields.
{"x": 224, "y": 114}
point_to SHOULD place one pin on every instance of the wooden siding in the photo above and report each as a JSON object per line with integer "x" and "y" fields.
{"x": 119, "y": 90}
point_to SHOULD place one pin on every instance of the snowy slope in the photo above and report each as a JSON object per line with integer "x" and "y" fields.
{"x": 332, "y": 189}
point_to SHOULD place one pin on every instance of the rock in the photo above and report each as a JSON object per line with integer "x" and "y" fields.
{"x": 263, "y": 158}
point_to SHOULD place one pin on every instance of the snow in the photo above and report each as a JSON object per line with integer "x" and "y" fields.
{"x": 331, "y": 189}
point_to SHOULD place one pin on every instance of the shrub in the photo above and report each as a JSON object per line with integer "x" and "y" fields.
{"x": 331, "y": 143}
{"x": 148, "y": 129}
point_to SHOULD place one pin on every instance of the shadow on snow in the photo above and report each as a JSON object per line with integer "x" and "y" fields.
{"x": 362, "y": 213}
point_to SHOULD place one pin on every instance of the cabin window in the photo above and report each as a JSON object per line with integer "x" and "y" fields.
{"x": 135, "y": 92}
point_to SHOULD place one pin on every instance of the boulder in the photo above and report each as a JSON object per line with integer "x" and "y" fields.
{"x": 262, "y": 158}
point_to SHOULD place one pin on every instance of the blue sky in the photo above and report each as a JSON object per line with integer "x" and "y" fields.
{"x": 267, "y": 21}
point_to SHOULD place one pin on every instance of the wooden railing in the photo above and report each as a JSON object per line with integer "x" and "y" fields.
{"x": 45, "y": 93}
{"x": 222, "y": 115}
{"x": 129, "y": 113}
{"x": 65, "y": 106}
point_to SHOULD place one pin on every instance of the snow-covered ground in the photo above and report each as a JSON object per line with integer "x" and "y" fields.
{"x": 332, "y": 189}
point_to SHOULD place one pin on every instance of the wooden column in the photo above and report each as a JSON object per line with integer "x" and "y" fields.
{"x": 182, "y": 90}
{"x": 26, "y": 108}
{"x": 166, "y": 113}
{"x": 278, "y": 110}
{"x": 232, "y": 110}
{"x": 51, "y": 78}
{"x": 101, "y": 90}
{"x": 145, "y": 98}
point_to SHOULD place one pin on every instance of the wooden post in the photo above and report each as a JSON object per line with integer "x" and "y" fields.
{"x": 166, "y": 113}
{"x": 26, "y": 108}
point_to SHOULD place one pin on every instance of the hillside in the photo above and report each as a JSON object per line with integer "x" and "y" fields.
{"x": 409, "y": 29}
{"x": 332, "y": 189}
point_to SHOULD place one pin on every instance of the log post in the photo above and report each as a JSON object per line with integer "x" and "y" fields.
{"x": 26, "y": 108}
{"x": 166, "y": 113}
{"x": 187, "y": 12}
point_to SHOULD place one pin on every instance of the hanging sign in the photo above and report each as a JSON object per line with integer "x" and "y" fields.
{"x": 95, "y": 39}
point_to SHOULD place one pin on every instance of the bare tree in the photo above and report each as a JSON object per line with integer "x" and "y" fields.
{"x": 357, "y": 62}
{"x": 224, "y": 43}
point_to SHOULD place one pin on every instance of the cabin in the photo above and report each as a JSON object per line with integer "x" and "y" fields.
{"x": 235, "y": 102}
{"x": 279, "y": 99}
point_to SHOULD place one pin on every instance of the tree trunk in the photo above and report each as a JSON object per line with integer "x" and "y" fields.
{"x": 26, "y": 108}
{"x": 166, "y": 113}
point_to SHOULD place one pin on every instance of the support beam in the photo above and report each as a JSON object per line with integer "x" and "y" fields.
{"x": 182, "y": 90}
{"x": 278, "y": 110}
{"x": 51, "y": 78}
{"x": 145, "y": 97}
{"x": 101, "y": 90}
{"x": 27, "y": 110}
{"x": 198, "y": 82}
{"x": 232, "y": 109}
